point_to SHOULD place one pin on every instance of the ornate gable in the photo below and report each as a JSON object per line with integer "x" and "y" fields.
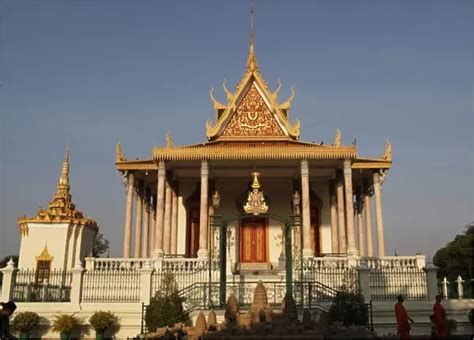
{"x": 253, "y": 118}
{"x": 252, "y": 111}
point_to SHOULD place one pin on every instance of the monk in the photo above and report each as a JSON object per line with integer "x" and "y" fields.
{"x": 403, "y": 326}
{"x": 440, "y": 318}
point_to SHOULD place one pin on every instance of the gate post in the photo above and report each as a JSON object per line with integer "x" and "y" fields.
{"x": 223, "y": 262}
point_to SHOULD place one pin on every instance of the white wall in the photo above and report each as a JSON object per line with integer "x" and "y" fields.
{"x": 66, "y": 243}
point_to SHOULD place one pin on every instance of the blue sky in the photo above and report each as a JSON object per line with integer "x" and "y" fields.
{"x": 98, "y": 72}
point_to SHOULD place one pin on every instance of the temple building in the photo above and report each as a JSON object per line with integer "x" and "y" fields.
{"x": 253, "y": 166}
{"x": 70, "y": 234}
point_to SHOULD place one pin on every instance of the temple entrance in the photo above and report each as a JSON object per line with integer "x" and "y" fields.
{"x": 253, "y": 240}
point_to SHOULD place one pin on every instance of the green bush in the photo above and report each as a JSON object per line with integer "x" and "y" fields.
{"x": 101, "y": 320}
{"x": 25, "y": 321}
{"x": 64, "y": 323}
{"x": 348, "y": 308}
{"x": 166, "y": 307}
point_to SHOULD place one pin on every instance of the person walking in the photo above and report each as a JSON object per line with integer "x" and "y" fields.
{"x": 403, "y": 320}
{"x": 440, "y": 318}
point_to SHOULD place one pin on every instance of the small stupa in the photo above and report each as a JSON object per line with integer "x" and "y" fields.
{"x": 260, "y": 310}
{"x": 232, "y": 309}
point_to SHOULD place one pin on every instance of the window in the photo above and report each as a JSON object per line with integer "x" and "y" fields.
{"x": 43, "y": 269}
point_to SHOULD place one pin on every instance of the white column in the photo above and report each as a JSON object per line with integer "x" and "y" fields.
{"x": 333, "y": 211}
{"x": 167, "y": 230}
{"x": 351, "y": 244}
{"x": 160, "y": 208}
{"x": 138, "y": 222}
{"x": 368, "y": 222}
{"x": 174, "y": 221}
{"x": 307, "y": 250}
{"x": 203, "y": 251}
{"x": 360, "y": 226}
{"x": 378, "y": 215}
{"x": 341, "y": 221}
{"x": 146, "y": 224}
{"x": 153, "y": 225}
{"x": 127, "y": 235}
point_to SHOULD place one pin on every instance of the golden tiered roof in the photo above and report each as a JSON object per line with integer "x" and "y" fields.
{"x": 61, "y": 209}
{"x": 253, "y": 125}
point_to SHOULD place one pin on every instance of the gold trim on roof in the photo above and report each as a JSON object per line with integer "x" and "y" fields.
{"x": 61, "y": 209}
{"x": 337, "y": 138}
{"x": 250, "y": 151}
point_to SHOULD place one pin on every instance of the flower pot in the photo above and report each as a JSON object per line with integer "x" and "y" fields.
{"x": 99, "y": 336}
{"x": 24, "y": 335}
{"x": 64, "y": 335}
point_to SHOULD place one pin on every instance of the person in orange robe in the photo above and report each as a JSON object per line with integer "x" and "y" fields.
{"x": 440, "y": 318}
{"x": 403, "y": 326}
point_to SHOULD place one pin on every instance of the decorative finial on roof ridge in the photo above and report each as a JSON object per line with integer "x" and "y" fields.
{"x": 169, "y": 139}
{"x": 337, "y": 139}
{"x": 388, "y": 151}
{"x": 119, "y": 156}
{"x": 252, "y": 59}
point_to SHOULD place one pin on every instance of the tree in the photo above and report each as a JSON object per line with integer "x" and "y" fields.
{"x": 166, "y": 307}
{"x": 101, "y": 245}
{"x": 456, "y": 258}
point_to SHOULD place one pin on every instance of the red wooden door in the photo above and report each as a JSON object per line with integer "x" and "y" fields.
{"x": 253, "y": 241}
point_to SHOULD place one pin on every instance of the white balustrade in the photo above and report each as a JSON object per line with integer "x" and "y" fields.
{"x": 115, "y": 264}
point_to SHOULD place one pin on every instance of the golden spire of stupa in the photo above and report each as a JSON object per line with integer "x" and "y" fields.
{"x": 60, "y": 209}
{"x": 61, "y": 205}
{"x": 252, "y": 59}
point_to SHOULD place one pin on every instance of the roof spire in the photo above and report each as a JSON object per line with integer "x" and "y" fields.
{"x": 61, "y": 202}
{"x": 252, "y": 60}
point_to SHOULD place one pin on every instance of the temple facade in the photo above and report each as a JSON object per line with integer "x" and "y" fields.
{"x": 254, "y": 167}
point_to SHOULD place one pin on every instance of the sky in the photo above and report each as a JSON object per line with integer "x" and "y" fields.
{"x": 97, "y": 72}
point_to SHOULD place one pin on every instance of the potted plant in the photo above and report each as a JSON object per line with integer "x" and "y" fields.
{"x": 100, "y": 321}
{"x": 63, "y": 324}
{"x": 24, "y": 322}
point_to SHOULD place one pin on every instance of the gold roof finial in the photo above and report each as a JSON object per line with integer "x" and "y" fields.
{"x": 119, "y": 156}
{"x": 337, "y": 139}
{"x": 388, "y": 151}
{"x": 252, "y": 60}
{"x": 169, "y": 139}
{"x": 63, "y": 184}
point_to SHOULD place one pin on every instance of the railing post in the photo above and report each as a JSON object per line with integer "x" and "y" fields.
{"x": 364, "y": 281}
{"x": 420, "y": 261}
{"x": 89, "y": 263}
{"x": 44, "y": 290}
{"x": 9, "y": 279}
{"x": 146, "y": 273}
{"x": 76, "y": 283}
{"x": 431, "y": 281}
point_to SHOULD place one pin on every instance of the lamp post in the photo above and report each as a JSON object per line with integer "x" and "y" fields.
{"x": 216, "y": 200}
